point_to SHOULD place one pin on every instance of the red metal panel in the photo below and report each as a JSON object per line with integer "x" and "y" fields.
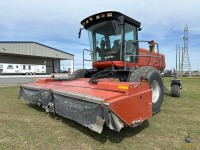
{"x": 152, "y": 60}
{"x": 103, "y": 84}
{"x": 44, "y": 80}
{"x": 105, "y": 89}
{"x": 133, "y": 107}
{"x": 65, "y": 86}
{"x": 103, "y": 94}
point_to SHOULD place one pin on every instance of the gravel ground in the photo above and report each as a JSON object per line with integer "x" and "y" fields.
{"x": 17, "y": 80}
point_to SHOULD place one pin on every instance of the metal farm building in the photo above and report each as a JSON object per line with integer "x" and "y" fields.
{"x": 34, "y": 53}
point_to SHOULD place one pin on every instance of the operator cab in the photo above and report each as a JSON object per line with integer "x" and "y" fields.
{"x": 113, "y": 37}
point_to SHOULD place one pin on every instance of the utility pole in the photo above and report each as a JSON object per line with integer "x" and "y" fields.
{"x": 176, "y": 56}
{"x": 178, "y": 59}
{"x": 179, "y": 69}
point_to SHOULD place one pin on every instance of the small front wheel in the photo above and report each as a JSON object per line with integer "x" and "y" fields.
{"x": 176, "y": 90}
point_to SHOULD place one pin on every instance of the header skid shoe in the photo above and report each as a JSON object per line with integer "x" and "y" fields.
{"x": 116, "y": 104}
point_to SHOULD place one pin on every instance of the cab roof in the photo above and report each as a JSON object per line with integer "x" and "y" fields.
{"x": 107, "y": 15}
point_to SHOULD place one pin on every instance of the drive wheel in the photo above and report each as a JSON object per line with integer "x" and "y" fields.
{"x": 155, "y": 83}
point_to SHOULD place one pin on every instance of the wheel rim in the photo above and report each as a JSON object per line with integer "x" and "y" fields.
{"x": 155, "y": 91}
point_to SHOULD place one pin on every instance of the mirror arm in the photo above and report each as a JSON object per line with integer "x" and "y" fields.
{"x": 79, "y": 33}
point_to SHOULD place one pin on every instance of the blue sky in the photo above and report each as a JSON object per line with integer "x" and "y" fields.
{"x": 56, "y": 23}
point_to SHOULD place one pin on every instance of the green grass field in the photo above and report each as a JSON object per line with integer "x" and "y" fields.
{"x": 24, "y": 126}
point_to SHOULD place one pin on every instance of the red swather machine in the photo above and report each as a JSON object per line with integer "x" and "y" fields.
{"x": 124, "y": 86}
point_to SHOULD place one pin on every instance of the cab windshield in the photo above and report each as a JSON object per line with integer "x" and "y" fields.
{"x": 106, "y": 41}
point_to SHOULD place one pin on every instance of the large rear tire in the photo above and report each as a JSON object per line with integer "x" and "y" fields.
{"x": 155, "y": 83}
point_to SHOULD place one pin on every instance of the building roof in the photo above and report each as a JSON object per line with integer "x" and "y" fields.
{"x": 31, "y": 48}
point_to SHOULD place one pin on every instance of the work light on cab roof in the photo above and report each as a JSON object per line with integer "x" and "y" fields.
{"x": 96, "y": 17}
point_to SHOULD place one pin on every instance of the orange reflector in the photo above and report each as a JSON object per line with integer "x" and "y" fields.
{"x": 103, "y": 15}
{"x": 83, "y": 23}
{"x": 144, "y": 79}
{"x": 43, "y": 80}
{"x": 123, "y": 87}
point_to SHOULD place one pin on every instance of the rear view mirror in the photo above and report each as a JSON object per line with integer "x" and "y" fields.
{"x": 79, "y": 33}
{"x": 121, "y": 20}
{"x": 139, "y": 29}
